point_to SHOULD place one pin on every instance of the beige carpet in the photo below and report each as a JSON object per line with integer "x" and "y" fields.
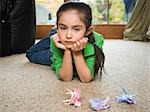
{"x": 27, "y": 87}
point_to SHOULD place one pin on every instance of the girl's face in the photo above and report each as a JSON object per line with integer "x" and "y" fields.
{"x": 70, "y": 28}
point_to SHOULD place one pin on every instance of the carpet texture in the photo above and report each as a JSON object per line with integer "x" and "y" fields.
{"x": 28, "y": 87}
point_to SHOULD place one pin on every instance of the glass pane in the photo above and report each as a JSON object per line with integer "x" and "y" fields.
{"x": 129, "y": 5}
{"x": 116, "y": 11}
{"x": 99, "y": 10}
{"x": 107, "y": 11}
{"x": 46, "y": 11}
{"x": 104, "y": 11}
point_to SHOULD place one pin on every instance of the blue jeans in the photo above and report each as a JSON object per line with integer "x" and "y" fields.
{"x": 40, "y": 53}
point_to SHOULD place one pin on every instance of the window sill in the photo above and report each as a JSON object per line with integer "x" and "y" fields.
{"x": 109, "y": 31}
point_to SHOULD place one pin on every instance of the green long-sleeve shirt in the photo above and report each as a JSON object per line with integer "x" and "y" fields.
{"x": 88, "y": 52}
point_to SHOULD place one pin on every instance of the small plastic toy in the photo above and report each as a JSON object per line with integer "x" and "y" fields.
{"x": 75, "y": 98}
{"x": 126, "y": 97}
{"x": 99, "y": 104}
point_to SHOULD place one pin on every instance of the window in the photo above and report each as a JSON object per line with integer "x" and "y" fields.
{"x": 104, "y": 11}
{"x": 46, "y": 11}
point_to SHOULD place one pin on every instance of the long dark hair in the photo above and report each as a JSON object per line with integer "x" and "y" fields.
{"x": 85, "y": 14}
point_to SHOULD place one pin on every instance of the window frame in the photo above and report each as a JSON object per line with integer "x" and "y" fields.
{"x": 108, "y": 30}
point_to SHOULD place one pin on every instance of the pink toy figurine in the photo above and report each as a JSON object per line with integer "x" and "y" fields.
{"x": 75, "y": 98}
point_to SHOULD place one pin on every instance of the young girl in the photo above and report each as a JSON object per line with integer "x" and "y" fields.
{"x": 75, "y": 49}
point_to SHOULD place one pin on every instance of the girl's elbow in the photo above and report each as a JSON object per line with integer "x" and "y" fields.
{"x": 65, "y": 78}
{"x": 86, "y": 79}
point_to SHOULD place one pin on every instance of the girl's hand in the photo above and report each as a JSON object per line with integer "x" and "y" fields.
{"x": 80, "y": 44}
{"x": 56, "y": 40}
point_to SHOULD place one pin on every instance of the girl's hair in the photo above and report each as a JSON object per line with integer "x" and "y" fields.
{"x": 85, "y": 14}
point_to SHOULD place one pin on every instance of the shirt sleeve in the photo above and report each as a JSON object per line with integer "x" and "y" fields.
{"x": 90, "y": 60}
{"x": 56, "y": 58}
{"x": 99, "y": 40}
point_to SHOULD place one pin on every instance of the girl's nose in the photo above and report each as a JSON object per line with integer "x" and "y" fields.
{"x": 69, "y": 35}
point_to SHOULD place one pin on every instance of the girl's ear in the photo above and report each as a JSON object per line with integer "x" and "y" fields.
{"x": 89, "y": 30}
